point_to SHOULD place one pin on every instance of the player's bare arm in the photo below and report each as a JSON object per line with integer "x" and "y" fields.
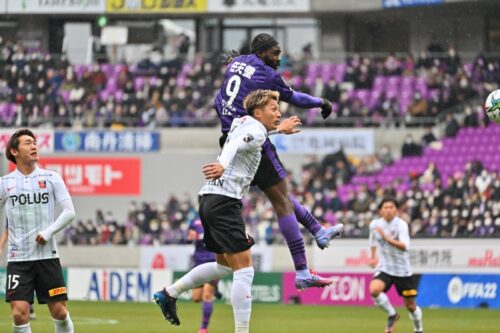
{"x": 373, "y": 261}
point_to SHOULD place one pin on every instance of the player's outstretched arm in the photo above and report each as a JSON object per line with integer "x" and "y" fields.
{"x": 306, "y": 101}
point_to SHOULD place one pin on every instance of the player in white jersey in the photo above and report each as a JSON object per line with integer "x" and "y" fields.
{"x": 29, "y": 195}
{"x": 389, "y": 235}
{"x": 220, "y": 209}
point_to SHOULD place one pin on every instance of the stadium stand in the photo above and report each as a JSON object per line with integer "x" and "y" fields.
{"x": 39, "y": 89}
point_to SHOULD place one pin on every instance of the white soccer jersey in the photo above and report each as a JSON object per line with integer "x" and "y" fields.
{"x": 29, "y": 201}
{"x": 250, "y": 135}
{"x": 393, "y": 261}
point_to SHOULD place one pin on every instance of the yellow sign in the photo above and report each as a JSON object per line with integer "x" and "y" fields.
{"x": 155, "y": 6}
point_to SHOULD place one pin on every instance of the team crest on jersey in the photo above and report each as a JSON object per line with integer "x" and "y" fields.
{"x": 248, "y": 138}
{"x": 42, "y": 184}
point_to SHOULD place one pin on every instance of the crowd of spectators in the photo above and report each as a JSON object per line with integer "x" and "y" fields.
{"x": 40, "y": 89}
{"x": 464, "y": 204}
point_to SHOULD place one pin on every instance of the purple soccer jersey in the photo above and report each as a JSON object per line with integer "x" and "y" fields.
{"x": 201, "y": 254}
{"x": 243, "y": 75}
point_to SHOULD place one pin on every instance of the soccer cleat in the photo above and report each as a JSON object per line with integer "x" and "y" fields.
{"x": 203, "y": 330}
{"x": 168, "y": 306}
{"x": 391, "y": 323}
{"x": 323, "y": 239}
{"x": 315, "y": 281}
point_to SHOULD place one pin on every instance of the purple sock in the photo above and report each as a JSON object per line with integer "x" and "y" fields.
{"x": 304, "y": 217}
{"x": 290, "y": 230}
{"x": 207, "y": 309}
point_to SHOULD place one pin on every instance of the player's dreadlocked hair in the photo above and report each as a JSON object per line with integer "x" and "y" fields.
{"x": 258, "y": 98}
{"x": 263, "y": 42}
{"x": 229, "y": 56}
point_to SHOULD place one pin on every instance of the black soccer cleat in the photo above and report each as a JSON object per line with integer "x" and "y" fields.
{"x": 391, "y": 323}
{"x": 168, "y": 306}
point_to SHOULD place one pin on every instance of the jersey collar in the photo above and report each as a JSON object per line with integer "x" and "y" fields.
{"x": 32, "y": 174}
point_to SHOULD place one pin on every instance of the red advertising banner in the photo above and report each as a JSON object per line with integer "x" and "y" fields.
{"x": 44, "y": 139}
{"x": 97, "y": 176}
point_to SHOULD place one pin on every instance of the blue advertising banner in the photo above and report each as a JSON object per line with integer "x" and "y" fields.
{"x": 409, "y": 3}
{"x": 107, "y": 141}
{"x": 459, "y": 290}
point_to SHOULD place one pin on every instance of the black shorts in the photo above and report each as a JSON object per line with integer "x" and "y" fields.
{"x": 405, "y": 285}
{"x": 271, "y": 170}
{"x": 43, "y": 276}
{"x": 223, "y": 224}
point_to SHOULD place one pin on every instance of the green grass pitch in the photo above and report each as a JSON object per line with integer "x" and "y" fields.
{"x": 95, "y": 317}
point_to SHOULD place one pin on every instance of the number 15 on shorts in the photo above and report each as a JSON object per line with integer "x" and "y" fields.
{"x": 12, "y": 281}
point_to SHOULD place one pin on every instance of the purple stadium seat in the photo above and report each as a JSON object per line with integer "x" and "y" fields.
{"x": 363, "y": 95}
{"x": 394, "y": 82}
{"x": 391, "y": 92}
{"x": 379, "y": 82}
{"x": 296, "y": 81}
{"x": 139, "y": 83}
{"x": 119, "y": 96}
{"x": 108, "y": 69}
{"x": 104, "y": 95}
{"x": 111, "y": 83}
{"x": 374, "y": 98}
{"x": 408, "y": 83}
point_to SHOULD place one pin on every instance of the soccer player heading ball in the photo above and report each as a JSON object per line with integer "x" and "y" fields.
{"x": 247, "y": 73}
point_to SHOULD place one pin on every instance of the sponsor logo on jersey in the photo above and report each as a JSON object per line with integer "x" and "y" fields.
{"x": 29, "y": 199}
{"x": 57, "y": 291}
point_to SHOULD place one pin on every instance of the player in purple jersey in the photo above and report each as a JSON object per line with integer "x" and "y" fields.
{"x": 206, "y": 292}
{"x": 247, "y": 73}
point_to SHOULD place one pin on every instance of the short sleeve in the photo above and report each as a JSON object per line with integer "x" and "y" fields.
{"x": 371, "y": 237}
{"x": 253, "y": 138}
{"x": 60, "y": 191}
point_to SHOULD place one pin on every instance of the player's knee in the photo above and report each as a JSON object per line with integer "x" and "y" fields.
{"x": 59, "y": 312}
{"x": 196, "y": 299}
{"x": 281, "y": 204}
{"x": 375, "y": 290}
{"x": 411, "y": 305}
{"x": 20, "y": 317}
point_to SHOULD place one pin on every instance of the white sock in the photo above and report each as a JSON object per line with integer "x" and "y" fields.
{"x": 303, "y": 274}
{"x": 383, "y": 301}
{"x": 21, "y": 328}
{"x": 65, "y": 325}
{"x": 416, "y": 319}
{"x": 197, "y": 277}
{"x": 241, "y": 298}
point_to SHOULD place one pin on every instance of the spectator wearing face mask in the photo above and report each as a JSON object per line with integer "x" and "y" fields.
{"x": 410, "y": 148}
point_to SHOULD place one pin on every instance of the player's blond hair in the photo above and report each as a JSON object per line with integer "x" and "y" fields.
{"x": 258, "y": 98}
